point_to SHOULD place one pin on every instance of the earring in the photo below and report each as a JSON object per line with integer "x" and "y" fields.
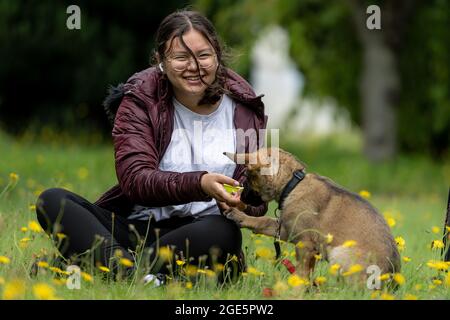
{"x": 161, "y": 67}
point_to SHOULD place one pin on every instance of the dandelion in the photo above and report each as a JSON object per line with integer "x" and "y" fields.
{"x": 118, "y": 253}
{"x": 43, "y": 291}
{"x": 4, "y": 260}
{"x": 387, "y": 296}
{"x": 295, "y": 281}
{"x": 14, "y": 290}
{"x": 24, "y": 229}
{"x": 300, "y": 245}
{"x": 399, "y": 278}
{"x": 254, "y": 271}
{"x": 34, "y": 226}
{"x": 447, "y": 280}
{"x": 264, "y": 253}
{"x": 329, "y": 238}
{"x": 406, "y": 259}
{"x": 43, "y": 264}
{"x": 390, "y": 221}
{"x": 87, "y": 277}
{"x": 447, "y": 228}
{"x": 32, "y": 207}
{"x": 13, "y": 177}
{"x": 188, "y": 285}
{"x": 126, "y": 262}
{"x": 435, "y": 229}
{"x": 353, "y": 269}
{"x": 409, "y": 297}
{"x": 191, "y": 270}
{"x": 166, "y": 253}
{"x": 320, "y": 280}
{"x": 218, "y": 267}
{"x": 180, "y": 262}
{"x": 375, "y": 294}
{"x": 210, "y": 273}
{"x": 23, "y": 243}
{"x": 334, "y": 269}
{"x": 437, "y": 244}
{"x": 365, "y": 194}
{"x": 438, "y": 265}
{"x": 437, "y": 282}
{"x": 61, "y": 235}
{"x": 349, "y": 243}
{"x": 59, "y": 282}
{"x": 400, "y": 243}
{"x": 385, "y": 276}
{"x": 104, "y": 269}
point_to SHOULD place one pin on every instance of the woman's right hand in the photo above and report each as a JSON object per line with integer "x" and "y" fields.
{"x": 212, "y": 185}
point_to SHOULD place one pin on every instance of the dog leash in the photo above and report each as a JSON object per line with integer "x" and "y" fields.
{"x": 297, "y": 177}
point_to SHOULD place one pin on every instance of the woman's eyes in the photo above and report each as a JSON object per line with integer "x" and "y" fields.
{"x": 185, "y": 58}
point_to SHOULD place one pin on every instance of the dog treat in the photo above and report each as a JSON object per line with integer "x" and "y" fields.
{"x": 231, "y": 189}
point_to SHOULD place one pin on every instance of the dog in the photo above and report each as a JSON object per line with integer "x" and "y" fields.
{"x": 318, "y": 215}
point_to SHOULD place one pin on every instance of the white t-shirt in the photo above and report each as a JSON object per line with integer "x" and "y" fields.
{"x": 197, "y": 144}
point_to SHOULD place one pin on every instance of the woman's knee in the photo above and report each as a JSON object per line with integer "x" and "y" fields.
{"x": 227, "y": 233}
{"x": 48, "y": 206}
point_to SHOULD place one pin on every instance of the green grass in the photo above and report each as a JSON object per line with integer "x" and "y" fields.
{"x": 410, "y": 189}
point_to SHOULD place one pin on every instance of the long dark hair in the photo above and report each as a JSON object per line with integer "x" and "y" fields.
{"x": 176, "y": 25}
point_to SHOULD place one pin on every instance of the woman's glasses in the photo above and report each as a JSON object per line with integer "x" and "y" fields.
{"x": 181, "y": 62}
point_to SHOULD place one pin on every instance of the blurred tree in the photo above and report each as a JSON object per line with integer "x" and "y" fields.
{"x": 394, "y": 81}
{"x": 50, "y": 75}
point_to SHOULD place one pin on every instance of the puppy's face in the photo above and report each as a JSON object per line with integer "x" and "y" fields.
{"x": 262, "y": 170}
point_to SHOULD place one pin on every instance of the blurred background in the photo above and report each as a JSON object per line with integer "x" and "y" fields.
{"x": 347, "y": 99}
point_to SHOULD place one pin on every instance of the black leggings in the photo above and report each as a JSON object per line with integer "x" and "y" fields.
{"x": 62, "y": 211}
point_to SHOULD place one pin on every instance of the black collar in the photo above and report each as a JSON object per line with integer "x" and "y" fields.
{"x": 297, "y": 176}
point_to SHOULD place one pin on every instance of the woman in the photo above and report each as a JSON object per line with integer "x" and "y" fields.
{"x": 173, "y": 122}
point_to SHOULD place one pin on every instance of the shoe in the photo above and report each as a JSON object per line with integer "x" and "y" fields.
{"x": 154, "y": 280}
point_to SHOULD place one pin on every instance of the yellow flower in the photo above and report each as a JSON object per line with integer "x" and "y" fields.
{"x": 23, "y": 243}
{"x": 385, "y": 277}
{"x": 255, "y": 271}
{"x": 391, "y": 222}
{"x": 210, "y": 273}
{"x": 24, "y": 229}
{"x": 320, "y": 280}
{"x": 399, "y": 278}
{"x": 447, "y": 228}
{"x": 353, "y": 269}
{"x": 300, "y": 245}
{"x": 264, "y": 253}
{"x": 2, "y": 281}
{"x": 82, "y": 173}
{"x": 13, "y": 177}
{"x": 126, "y": 262}
{"x": 387, "y": 296}
{"x": 437, "y": 282}
{"x": 318, "y": 257}
{"x": 258, "y": 241}
{"x": 104, "y": 269}
{"x": 447, "y": 280}
{"x": 59, "y": 282}
{"x": 409, "y": 297}
{"x": 191, "y": 270}
{"x": 180, "y": 262}
{"x": 34, "y": 226}
{"x": 438, "y": 265}
{"x": 437, "y": 244}
{"x": 349, "y": 243}
{"x": 329, "y": 238}
{"x": 400, "y": 243}
{"x": 4, "y": 260}
{"x": 218, "y": 267}
{"x": 188, "y": 285}
{"x": 406, "y": 259}
{"x": 43, "y": 291}
{"x": 334, "y": 269}
{"x": 365, "y": 194}
{"x": 87, "y": 277}
{"x": 295, "y": 281}
{"x": 61, "y": 235}
{"x": 32, "y": 207}
{"x": 435, "y": 229}
{"x": 165, "y": 253}
{"x": 280, "y": 286}
{"x": 374, "y": 294}
{"x": 42, "y": 264}
{"x": 14, "y": 290}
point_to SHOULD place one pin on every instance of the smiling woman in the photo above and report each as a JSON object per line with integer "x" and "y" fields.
{"x": 170, "y": 188}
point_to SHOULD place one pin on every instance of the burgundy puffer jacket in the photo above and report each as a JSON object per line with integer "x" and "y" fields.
{"x": 141, "y": 133}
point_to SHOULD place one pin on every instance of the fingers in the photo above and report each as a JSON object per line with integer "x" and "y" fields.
{"x": 224, "y": 179}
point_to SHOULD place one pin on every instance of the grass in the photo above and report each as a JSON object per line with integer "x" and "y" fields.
{"x": 411, "y": 191}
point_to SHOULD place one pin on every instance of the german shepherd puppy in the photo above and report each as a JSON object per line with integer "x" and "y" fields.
{"x": 328, "y": 220}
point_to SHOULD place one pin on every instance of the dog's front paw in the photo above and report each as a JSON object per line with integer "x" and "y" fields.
{"x": 235, "y": 215}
